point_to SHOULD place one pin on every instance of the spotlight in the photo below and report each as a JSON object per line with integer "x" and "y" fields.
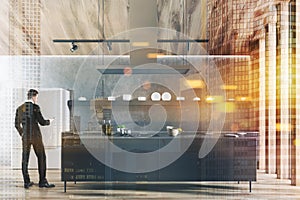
{"x": 109, "y": 46}
{"x": 74, "y": 47}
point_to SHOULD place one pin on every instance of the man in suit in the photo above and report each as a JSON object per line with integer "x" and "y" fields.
{"x": 27, "y": 120}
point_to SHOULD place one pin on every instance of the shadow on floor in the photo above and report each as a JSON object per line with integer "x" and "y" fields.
{"x": 165, "y": 187}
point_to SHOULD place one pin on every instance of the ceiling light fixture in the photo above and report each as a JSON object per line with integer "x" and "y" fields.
{"x": 74, "y": 47}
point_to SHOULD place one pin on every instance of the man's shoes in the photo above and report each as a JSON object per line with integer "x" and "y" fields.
{"x": 27, "y": 185}
{"x": 46, "y": 185}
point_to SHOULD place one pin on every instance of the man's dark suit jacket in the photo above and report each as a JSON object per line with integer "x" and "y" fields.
{"x": 30, "y": 116}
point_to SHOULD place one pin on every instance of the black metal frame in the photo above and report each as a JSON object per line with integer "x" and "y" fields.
{"x": 127, "y": 40}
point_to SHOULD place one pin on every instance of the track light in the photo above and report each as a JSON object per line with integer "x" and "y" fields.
{"x": 109, "y": 47}
{"x": 74, "y": 47}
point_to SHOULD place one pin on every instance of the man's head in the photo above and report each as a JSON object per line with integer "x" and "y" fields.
{"x": 32, "y": 94}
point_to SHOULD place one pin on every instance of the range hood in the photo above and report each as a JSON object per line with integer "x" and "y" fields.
{"x": 142, "y": 13}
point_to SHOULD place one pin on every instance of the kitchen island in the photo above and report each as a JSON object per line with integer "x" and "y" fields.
{"x": 232, "y": 158}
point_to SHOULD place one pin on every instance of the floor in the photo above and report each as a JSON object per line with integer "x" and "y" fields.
{"x": 266, "y": 187}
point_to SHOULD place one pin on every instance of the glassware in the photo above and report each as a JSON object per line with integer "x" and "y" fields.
{"x": 106, "y": 127}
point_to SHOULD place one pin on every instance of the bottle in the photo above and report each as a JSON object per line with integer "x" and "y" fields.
{"x": 106, "y": 127}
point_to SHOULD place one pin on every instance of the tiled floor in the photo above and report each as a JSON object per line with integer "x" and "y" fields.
{"x": 266, "y": 187}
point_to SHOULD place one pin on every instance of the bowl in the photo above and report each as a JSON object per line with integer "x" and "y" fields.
{"x": 174, "y": 131}
{"x": 127, "y": 97}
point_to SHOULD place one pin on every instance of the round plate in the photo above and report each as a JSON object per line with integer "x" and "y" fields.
{"x": 155, "y": 96}
{"x": 166, "y": 96}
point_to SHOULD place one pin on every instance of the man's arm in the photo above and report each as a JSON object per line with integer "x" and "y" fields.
{"x": 39, "y": 116}
{"x": 18, "y": 121}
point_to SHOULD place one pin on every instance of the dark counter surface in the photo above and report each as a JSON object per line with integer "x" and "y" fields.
{"x": 160, "y": 135}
